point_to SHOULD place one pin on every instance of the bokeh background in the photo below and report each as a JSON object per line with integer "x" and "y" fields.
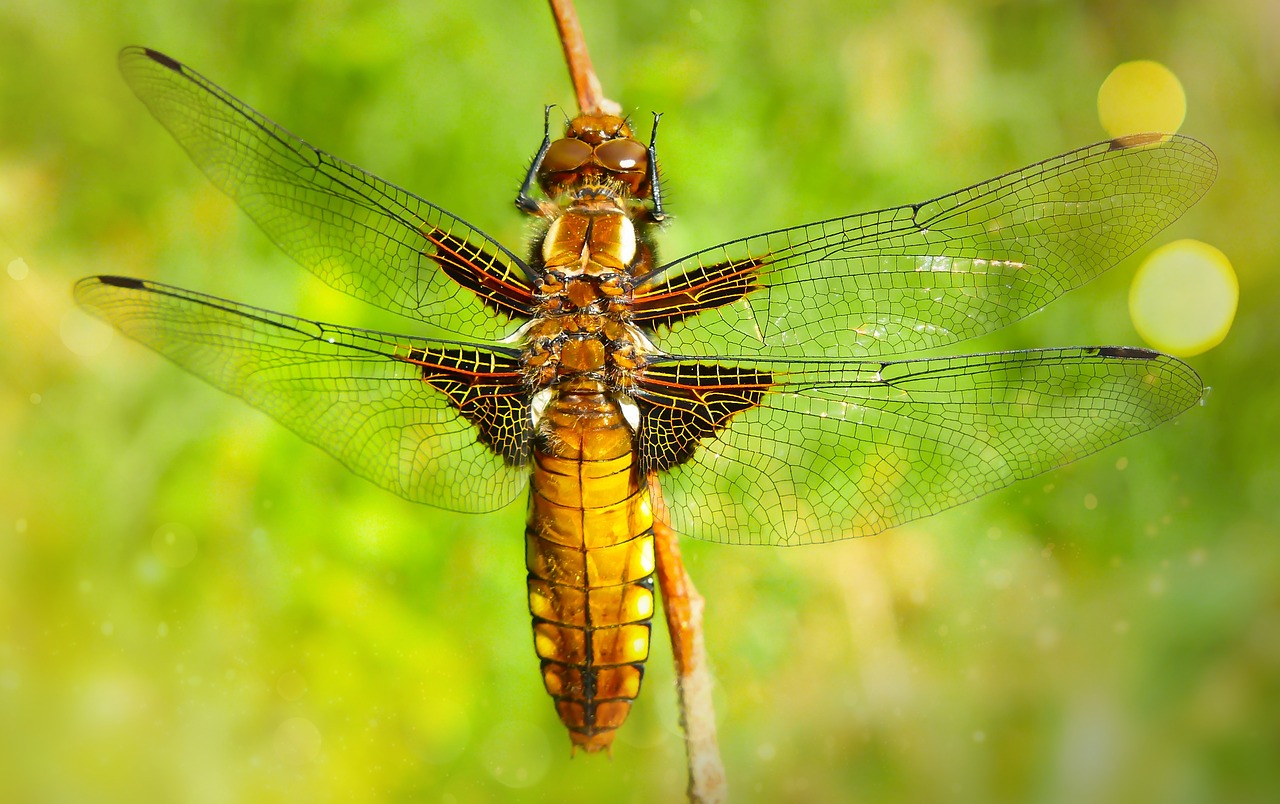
{"x": 197, "y": 606}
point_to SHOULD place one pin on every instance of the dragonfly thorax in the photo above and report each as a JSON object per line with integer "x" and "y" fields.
{"x": 559, "y": 348}
{"x": 582, "y": 326}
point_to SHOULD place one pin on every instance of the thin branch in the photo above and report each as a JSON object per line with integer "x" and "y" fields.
{"x": 586, "y": 85}
{"x": 683, "y": 607}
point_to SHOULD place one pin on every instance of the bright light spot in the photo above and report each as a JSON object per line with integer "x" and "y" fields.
{"x": 647, "y": 562}
{"x": 1183, "y": 298}
{"x": 174, "y": 545}
{"x": 83, "y": 334}
{"x": 1046, "y": 638}
{"x": 1140, "y": 97}
{"x": 979, "y": 736}
{"x": 18, "y": 269}
{"x": 108, "y": 628}
{"x": 1090, "y": 501}
{"x": 766, "y": 751}
{"x": 148, "y": 569}
{"x": 297, "y": 741}
{"x": 999, "y": 578}
{"x": 109, "y": 700}
{"x": 643, "y": 605}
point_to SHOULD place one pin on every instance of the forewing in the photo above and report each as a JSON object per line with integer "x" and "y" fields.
{"x": 796, "y": 453}
{"x": 355, "y": 231}
{"x": 437, "y": 422}
{"x": 926, "y": 275}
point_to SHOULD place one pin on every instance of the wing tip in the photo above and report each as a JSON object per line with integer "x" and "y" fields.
{"x": 88, "y": 292}
{"x": 1187, "y": 385}
{"x": 1192, "y": 148}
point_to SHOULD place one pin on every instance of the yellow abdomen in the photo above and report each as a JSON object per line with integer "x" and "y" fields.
{"x": 589, "y": 551}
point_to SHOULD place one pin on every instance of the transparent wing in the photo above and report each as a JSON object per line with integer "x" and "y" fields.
{"x": 795, "y": 453}
{"x": 437, "y": 422}
{"x": 353, "y": 230}
{"x": 926, "y": 275}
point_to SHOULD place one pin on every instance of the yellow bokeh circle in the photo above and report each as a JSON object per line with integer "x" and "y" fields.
{"x": 1139, "y": 97}
{"x": 1183, "y": 298}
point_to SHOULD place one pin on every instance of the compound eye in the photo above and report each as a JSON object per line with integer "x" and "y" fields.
{"x": 565, "y": 155}
{"x": 622, "y": 156}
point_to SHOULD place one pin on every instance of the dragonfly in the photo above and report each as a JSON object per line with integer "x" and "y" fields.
{"x": 770, "y": 383}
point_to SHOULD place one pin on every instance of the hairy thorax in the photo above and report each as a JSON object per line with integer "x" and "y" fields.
{"x": 583, "y": 329}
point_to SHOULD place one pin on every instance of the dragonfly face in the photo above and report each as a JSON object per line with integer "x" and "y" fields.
{"x": 595, "y": 147}
{"x": 761, "y": 379}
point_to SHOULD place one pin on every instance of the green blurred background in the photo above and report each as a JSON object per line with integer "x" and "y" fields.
{"x": 197, "y": 606}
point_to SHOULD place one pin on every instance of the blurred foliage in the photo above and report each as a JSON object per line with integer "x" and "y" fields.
{"x": 196, "y": 606}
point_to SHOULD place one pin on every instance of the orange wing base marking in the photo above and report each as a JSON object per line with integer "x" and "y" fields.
{"x": 682, "y": 404}
{"x": 693, "y": 292}
{"x": 487, "y": 390}
{"x": 472, "y": 268}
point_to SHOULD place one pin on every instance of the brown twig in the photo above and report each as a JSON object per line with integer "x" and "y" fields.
{"x": 586, "y": 85}
{"x": 683, "y": 607}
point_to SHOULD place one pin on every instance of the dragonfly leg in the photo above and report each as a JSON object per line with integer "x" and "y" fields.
{"x": 654, "y": 186}
{"x": 524, "y": 200}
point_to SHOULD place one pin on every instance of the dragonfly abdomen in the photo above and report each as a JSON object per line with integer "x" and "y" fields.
{"x": 589, "y": 551}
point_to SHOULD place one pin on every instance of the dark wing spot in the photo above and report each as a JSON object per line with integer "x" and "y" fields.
{"x": 487, "y": 389}
{"x": 162, "y": 59}
{"x": 705, "y": 288}
{"x": 481, "y": 273}
{"x": 123, "y": 282}
{"x": 1137, "y": 140}
{"x": 683, "y": 403}
{"x": 1128, "y": 352}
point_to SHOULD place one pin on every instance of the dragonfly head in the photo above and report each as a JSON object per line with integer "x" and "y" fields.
{"x": 596, "y": 147}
